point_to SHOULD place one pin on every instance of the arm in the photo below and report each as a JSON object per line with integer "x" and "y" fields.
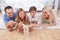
{"x": 52, "y": 23}
{"x": 10, "y": 24}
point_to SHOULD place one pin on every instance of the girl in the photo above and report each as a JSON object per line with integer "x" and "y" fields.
{"x": 21, "y": 19}
{"x": 47, "y": 16}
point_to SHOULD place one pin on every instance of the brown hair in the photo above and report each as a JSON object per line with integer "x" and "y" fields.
{"x": 25, "y": 20}
{"x": 32, "y": 8}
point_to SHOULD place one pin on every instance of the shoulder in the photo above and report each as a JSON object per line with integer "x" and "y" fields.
{"x": 38, "y": 14}
{"x": 14, "y": 13}
{"x": 4, "y": 16}
{"x": 28, "y": 14}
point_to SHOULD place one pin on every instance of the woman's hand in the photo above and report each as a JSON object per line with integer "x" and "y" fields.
{"x": 44, "y": 26}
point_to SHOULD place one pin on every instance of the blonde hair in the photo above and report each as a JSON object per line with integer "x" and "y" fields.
{"x": 25, "y": 20}
{"x": 49, "y": 12}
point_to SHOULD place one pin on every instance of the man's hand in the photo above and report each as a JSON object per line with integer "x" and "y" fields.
{"x": 10, "y": 25}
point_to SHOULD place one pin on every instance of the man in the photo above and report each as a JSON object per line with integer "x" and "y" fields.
{"x": 9, "y": 18}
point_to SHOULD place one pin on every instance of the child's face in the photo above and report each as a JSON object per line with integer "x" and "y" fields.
{"x": 22, "y": 14}
{"x": 32, "y": 13}
{"x": 46, "y": 16}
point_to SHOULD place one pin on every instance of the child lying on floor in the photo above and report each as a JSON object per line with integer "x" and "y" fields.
{"x": 21, "y": 18}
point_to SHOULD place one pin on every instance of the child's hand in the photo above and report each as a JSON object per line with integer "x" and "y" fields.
{"x": 21, "y": 23}
{"x": 30, "y": 29}
{"x": 20, "y": 29}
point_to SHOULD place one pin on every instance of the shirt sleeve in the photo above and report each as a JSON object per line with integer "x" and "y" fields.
{"x": 5, "y": 19}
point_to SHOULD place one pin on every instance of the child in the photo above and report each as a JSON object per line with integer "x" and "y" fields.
{"x": 33, "y": 16}
{"x": 47, "y": 16}
{"x": 21, "y": 19}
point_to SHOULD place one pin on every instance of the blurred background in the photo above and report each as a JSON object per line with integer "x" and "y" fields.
{"x": 25, "y": 4}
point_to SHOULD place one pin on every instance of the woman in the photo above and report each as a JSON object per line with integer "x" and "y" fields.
{"x": 47, "y": 16}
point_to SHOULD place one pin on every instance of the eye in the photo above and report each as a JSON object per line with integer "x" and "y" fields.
{"x": 8, "y": 13}
{"x": 44, "y": 11}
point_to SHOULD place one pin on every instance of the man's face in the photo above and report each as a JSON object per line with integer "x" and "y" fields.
{"x": 33, "y": 13}
{"x": 9, "y": 12}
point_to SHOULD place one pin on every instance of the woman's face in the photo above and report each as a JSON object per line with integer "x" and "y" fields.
{"x": 22, "y": 14}
{"x": 45, "y": 14}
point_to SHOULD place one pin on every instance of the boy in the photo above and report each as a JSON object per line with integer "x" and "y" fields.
{"x": 33, "y": 16}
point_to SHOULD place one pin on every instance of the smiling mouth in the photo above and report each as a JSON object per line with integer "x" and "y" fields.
{"x": 47, "y": 17}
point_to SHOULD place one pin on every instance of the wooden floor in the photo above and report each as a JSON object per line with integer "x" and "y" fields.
{"x": 35, "y": 35}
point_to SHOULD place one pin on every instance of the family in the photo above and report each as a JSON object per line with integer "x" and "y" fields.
{"x": 32, "y": 19}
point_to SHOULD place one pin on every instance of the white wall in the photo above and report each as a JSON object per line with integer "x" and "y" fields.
{"x": 59, "y": 4}
{"x": 25, "y": 4}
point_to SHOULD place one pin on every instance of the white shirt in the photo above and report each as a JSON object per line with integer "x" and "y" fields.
{"x": 36, "y": 18}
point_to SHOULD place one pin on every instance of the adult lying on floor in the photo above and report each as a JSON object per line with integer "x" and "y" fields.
{"x": 9, "y": 18}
